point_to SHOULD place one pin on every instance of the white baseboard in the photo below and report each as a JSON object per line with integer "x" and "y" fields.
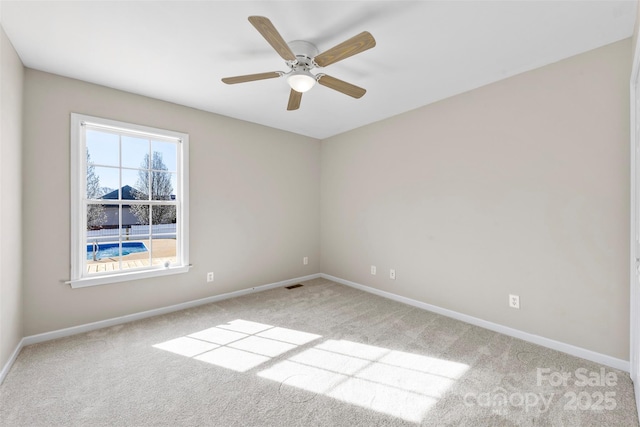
{"x": 636, "y": 389}
{"x": 536, "y": 339}
{"x": 60, "y": 333}
{"x": 47, "y": 336}
{"x": 7, "y": 366}
{"x": 583, "y": 353}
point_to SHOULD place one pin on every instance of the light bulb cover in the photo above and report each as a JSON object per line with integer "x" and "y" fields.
{"x": 301, "y": 80}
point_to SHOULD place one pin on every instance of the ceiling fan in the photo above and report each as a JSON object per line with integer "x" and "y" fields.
{"x": 301, "y": 57}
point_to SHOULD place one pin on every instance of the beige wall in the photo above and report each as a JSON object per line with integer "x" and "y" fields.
{"x": 254, "y": 204}
{"x": 11, "y": 84}
{"x": 518, "y": 187}
{"x": 636, "y": 27}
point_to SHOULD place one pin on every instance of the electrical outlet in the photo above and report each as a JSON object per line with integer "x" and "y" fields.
{"x": 305, "y": 260}
{"x": 373, "y": 270}
{"x": 514, "y": 301}
{"x": 210, "y": 276}
{"x": 392, "y": 274}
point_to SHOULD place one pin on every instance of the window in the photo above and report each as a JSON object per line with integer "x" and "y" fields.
{"x": 129, "y": 201}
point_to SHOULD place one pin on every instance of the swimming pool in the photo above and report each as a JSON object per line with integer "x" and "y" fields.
{"x": 110, "y": 250}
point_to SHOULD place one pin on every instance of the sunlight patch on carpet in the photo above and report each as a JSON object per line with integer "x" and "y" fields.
{"x": 239, "y": 345}
{"x": 185, "y": 346}
{"x": 396, "y": 383}
{"x": 230, "y": 358}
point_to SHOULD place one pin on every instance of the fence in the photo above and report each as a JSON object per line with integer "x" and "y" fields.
{"x": 167, "y": 231}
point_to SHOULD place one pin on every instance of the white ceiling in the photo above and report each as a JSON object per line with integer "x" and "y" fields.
{"x": 426, "y": 51}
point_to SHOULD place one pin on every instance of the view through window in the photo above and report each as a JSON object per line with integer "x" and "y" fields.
{"x": 130, "y": 198}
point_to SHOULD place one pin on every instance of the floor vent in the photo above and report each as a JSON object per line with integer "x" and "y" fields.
{"x": 293, "y": 286}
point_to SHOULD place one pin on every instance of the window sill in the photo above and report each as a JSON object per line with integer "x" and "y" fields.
{"x": 125, "y": 277}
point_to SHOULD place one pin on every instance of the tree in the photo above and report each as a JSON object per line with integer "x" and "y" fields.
{"x": 157, "y": 182}
{"x": 96, "y": 214}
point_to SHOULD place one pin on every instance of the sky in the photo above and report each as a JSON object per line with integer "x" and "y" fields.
{"x": 105, "y": 154}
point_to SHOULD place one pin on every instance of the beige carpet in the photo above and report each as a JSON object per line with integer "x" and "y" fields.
{"x": 318, "y": 355}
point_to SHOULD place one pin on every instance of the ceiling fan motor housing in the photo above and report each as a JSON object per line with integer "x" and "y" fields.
{"x": 305, "y": 52}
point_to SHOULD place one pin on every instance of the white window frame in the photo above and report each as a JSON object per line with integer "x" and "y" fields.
{"x": 79, "y": 276}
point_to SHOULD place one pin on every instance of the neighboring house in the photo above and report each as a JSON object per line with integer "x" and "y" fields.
{"x": 128, "y": 218}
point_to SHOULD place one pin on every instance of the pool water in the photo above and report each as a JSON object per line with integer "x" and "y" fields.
{"x": 111, "y": 250}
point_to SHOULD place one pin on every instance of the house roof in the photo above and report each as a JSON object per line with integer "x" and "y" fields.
{"x": 127, "y": 194}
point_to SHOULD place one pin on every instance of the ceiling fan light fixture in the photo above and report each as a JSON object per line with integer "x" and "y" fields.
{"x": 301, "y": 80}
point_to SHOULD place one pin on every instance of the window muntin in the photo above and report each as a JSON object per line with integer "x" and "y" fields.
{"x": 129, "y": 201}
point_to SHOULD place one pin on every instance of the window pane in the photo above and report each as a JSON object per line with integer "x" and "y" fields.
{"x": 162, "y": 215}
{"x": 101, "y": 249}
{"x": 129, "y": 218}
{"x": 103, "y": 255}
{"x": 103, "y": 148}
{"x": 174, "y": 184}
{"x": 163, "y": 251}
{"x": 139, "y": 220}
{"x": 164, "y": 235}
{"x": 102, "y": 220}
{"x": 102, "y": 182}
{"x": 162, "y": 185}
{"x": 133, "y": 188}
{"x": 164, "y": 225}
{"x": 167, "y": 151}
{"x": 135, "y": 252}
{"x": 135, "y": 152}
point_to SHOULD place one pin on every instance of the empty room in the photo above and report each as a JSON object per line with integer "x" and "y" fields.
{"x": 319, "y": 213}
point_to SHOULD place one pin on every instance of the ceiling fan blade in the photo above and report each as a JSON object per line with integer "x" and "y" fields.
{"x": 251, "y": 77}
{"x": 271, "y": 35}
{"x": 294, "y": 100}
{"x": 353, "y": 46}
{"x": 341, "y": 86}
